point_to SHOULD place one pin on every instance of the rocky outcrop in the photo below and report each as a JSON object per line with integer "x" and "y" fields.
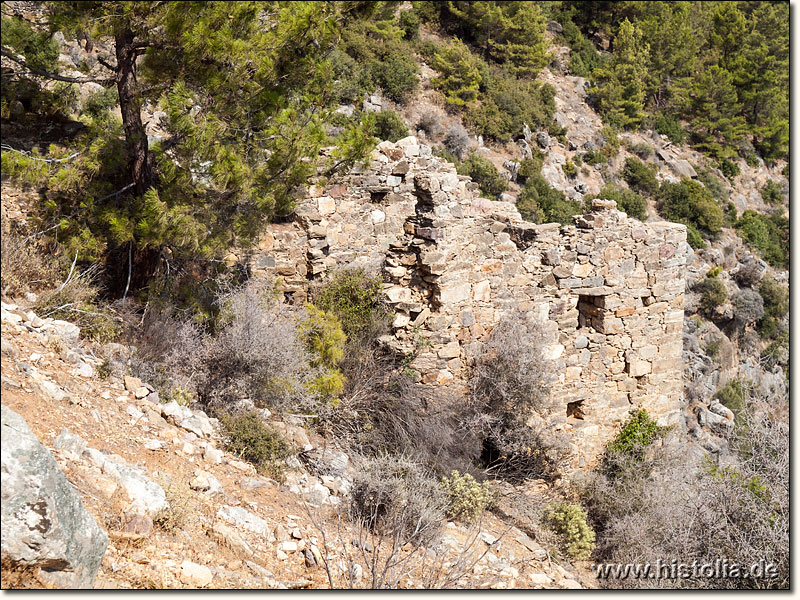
{"x": 44, "y": 523}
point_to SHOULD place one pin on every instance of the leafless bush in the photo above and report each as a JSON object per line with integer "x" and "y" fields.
{"x": 257, "y": 353}
{"x": 388, "y": 538}
{"x": 511, "y": 375}
{"x": 24, "y": 266}
{"x": 750, "y": 274}
{"x": 170, "y": 348}
{"x": 457, "y": 141}
{"x": 703, "y": 511}
{"x": 396, "y": 498}
{"x": 382, "y": 410}
{"x": 509, "y": 386}
{"x": 431, "y": 123}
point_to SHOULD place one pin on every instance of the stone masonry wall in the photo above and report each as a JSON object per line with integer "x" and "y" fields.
{"x": 608, "y": 291}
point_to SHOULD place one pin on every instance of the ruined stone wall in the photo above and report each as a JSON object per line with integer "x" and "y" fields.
{"x": 607, "y": 292}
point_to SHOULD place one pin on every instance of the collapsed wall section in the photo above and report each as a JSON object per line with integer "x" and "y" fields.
{"x": 608, "y": 291}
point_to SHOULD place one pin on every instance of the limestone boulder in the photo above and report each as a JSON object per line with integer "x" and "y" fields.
{"x": 44, "y": 522}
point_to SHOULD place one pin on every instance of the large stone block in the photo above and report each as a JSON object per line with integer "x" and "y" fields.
{"x": 44, "y": 522}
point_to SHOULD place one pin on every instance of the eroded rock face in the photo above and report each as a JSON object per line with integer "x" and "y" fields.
{"x": 44, "y": 522}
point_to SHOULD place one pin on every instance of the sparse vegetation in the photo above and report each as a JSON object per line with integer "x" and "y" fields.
{"x": 467, "y": 498}
{"x": 24, "y": 267}
{"x": 569, "y": 522}
{"x": 249, "y": 438}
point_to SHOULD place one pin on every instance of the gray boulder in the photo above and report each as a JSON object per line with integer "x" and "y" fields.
{"x": 44, "y": 522}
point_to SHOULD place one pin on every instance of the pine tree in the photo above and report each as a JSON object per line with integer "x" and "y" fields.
{"x": 620, "y": 86}
{"x": 711, "y": 105}
{"x": 246, "y": 90}
{"x": 520, "y": 39}
{"x": 762, "y": 79}
{"x": 459, "y": 78}
{"x": 674, "y": 46}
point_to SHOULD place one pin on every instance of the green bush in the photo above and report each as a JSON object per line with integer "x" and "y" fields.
{"x": 467, "y": 498}
{"x": 712, "y": 347}
{"x": 459, "y": 78}
{"x": 612, "y": 144}
{"x": 771, "y": 193}
{"x": 670, "y": 126}
{"x": 370, "y": 59}
{"x": 642, "y": 150}
{"x": 485, "y": 174}
{"x": 713, "y": 184}
{"x": 569, "y": 522}
{"x": 101, "y": 101}
{"x": 397, "y": 75}
{"x": 627, "y": 200}
{"x": 690, "y": 203}
{"x": 733, "y": 395}
{"x": 25, "y": 170}
{"x": 570, "y": 170}
{"x": 768, "y": 234}
{"x": 640, "y": 177}
{"x": 584, "y": 57}
{"x": 776, "y": 305}
{"x": 713, "y": 294}
{"x": 247, "y": 437}
{"x": 540, "y": 203}
{"x": 390, "y": 126}
{"x": 638, "y": 432}
{"x": 325, "y": 340}
{"x": 177, "y": 394}
{"x": 777, "y": 353}
{"x": 594, "y": 157}
{"x": 354, "y": 297}
{"x": 507, "y": 103}
{"x": 729, "y": 168}
{"x": 530, "y": 167}
{"x": 409, "y": 23}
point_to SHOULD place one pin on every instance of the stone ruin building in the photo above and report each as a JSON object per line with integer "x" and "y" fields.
{"x": 608, "y": 291}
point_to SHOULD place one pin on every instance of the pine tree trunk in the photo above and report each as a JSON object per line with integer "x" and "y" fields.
{"x": 140, "y": 160}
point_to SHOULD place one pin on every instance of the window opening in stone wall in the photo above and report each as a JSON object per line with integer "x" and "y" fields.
{"x": 575, "y": 409}
{"x": 377, "y": 196}
{"x": 588, "y": 310}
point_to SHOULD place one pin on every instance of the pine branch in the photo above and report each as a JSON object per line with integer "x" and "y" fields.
{"x": 54, "y": 76}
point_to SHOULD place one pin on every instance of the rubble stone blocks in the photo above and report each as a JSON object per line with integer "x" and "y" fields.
{"x": 454, "y": 264}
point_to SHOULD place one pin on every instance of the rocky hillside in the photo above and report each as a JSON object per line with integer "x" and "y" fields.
{"x": 436, "y": 306}
{"x": 149, "y": 499}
